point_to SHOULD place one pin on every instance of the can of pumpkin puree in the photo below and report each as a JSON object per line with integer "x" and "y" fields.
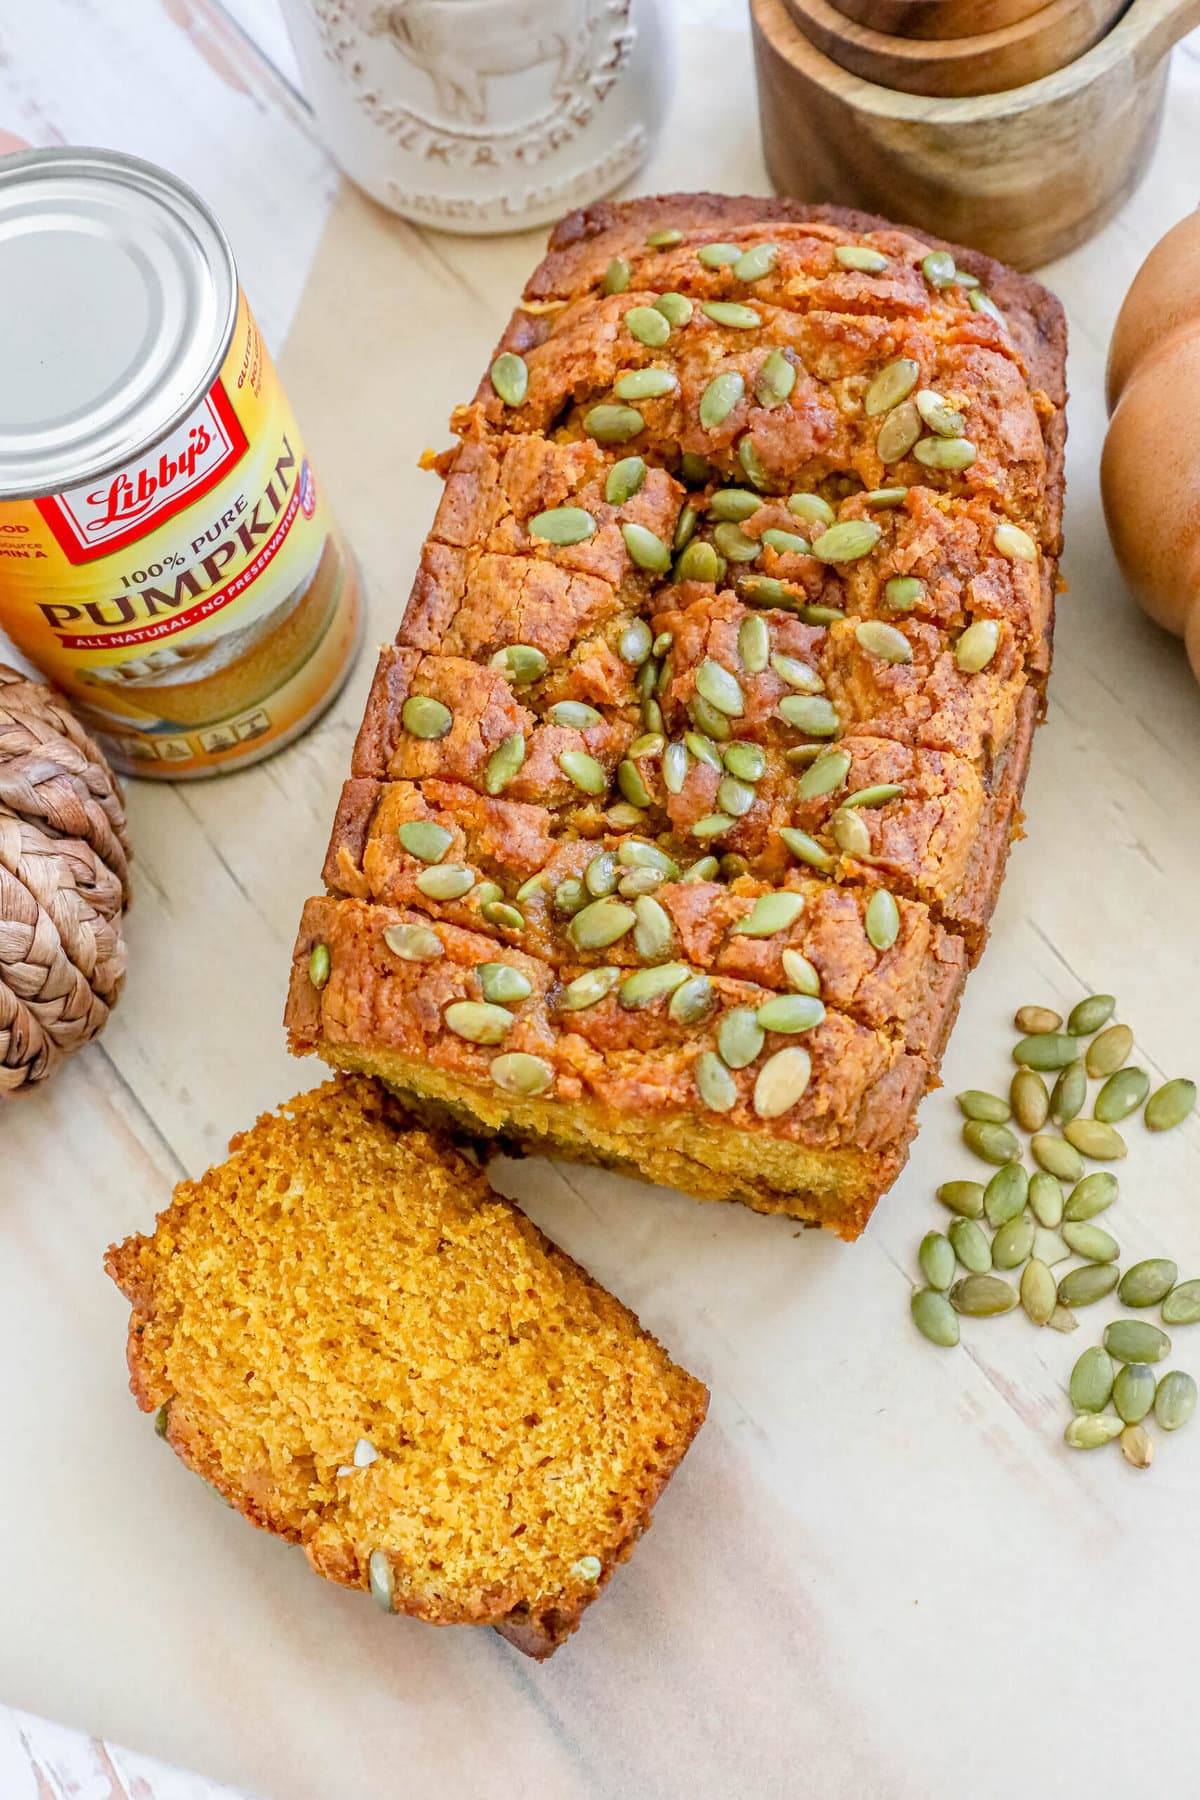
{"x": 167, "y": 555}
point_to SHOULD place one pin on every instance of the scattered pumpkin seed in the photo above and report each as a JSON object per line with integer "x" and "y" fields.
{"x": 425, "y": 717}
{"x": 1109, "y": 1051}
{"x": 510, "y": 377}
{"x": 781, "y": 1082}
{"x": 1046, "y": 1199}
{"x": 1049, "y": 1248}
{"x": 1090, "y": 1241}
{"x": 653, "y": 933}
{"x": 936, "y": 1259}
{"x": 731, "y": 313}
{"x": 584, "y": 771}
{"x": 740, "y": 1037}
{"x": 601, "y": 924}
{"x": 649, "y": 326}
{"x": 563, "y": 525}
{"x": 589, "y": 988}
{"x": 569, "y": 896}
{"x": 1137, "y": 1446}
{"x": 1092, "y": 1430}
{"x": 983, "y": 1296}
{"x": 1045, "y": 1050}
{"x": 806, "y": 849}
{"x": 1121, "y": 1095}
{"x": 1136, "y": 1341}
{"x": 1014, "y": 543}
{"x": 938, "y": 414}
{"x": 502, "y": 984}
{"x": 882, "y": 923}
{"x": 1094, "y": 1194}
{"x": 894, "y": 383}
{"x": 735, "y": 797}
{"x": 1087, "y": 1016}
{"x": 861, "y": 258}
{"x": 944, "y": 452}
{"x": 992, "y": 1143}
{"x": 720, "y": 397}
{"x": 938, "y": 269}
{"x": 756, "y": 262}
{"x": 478, "y": 1021}
{"x": 646, "y": 384}
{"x": 1170, "y": 1104}
{"x": 1012, "y": 1243}
{"x": 850, "y": 833}
{"x": 790, "y": 1013}
{"x": 1005, "y": 1195}
{"x": 812, "y": 509}
{"x": 902, "y": 592}
{"x": 649, "y": 985}
{"x": 884, "y": 641}
{"x": 1069, "y": 1093}
{"x": 962, "y": 1197}
{"x": 1148, "y": 1282}
{"x": 825, "y": 775}
{"x": 1091, "y": 1383}
{"x": 1182, "y": 1304}
{"x": 800, "y": 974}
{"x": 900, "y": 431}
{"x": 810, "y": 713}
{"x": 379, "y": 1578}
{"x": 971, "y": 1245}
{"x": 715, "y": 256}
{"x": 646, "y": 549}
{"x": 787, "y": 543}
{"x": 977, "y": 646}
{"x": 885, "y": 497}
{"x": 734, "y": 543}
{"x": 445, "y": 881}
{"x": 1034, "y": 1019}
{"x": 319, "y": 964}
{"x": 770, "y": 913}
{"x": 676, "y": 309}
{"x": 744, "y": 760}
{"x": 974, "y": 1103}
{"x": 692, "y": 1000}
{"x": 1133, "y": 1391}
{"x": 934, "y": 1317}
{"x": 1029, "y": 1099}
{"x": 699, "y": 562}
{"x": 715, "y": 1084}
{"x": 517, "y": 1072}
{"x": 613, "y": 424}
{"x": 1062, "y": 1319}
{"x": 414, "y": 943}
{"x": 1093, "y": 1139}
{"x": 1175, "y": 1400}
{"x": 775, "y": 379}
{"x": 1056, "y": 1156}
{"x": 983, "y": 303}
{"x": 1038, "y": 1291}
{"x": 762, "y": 590}
{"x": 847, "y": 542}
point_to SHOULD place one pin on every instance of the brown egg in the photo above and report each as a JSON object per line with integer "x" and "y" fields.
{"x": 1150, "y": 470}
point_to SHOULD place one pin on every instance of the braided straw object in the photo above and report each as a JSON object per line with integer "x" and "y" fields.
{"x": 64, "y": 883}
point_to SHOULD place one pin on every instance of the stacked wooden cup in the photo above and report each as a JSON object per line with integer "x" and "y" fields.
{"x": 1015, "y": 125}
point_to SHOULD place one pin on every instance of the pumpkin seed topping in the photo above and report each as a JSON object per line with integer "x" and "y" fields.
{"x": 944, "y": 452}
{"x": 825, "y": 775}
{"x": 563, "y": 525}
{"x": 940, "y": 417}
{"x": 645, "y": 549}
{"x": 880, "y": 795}
{"x": 478, "y": 1021}
{"x": 775, "y": 379}
{"x": 884, "y": 641}
{"x": 754, "y": 647}
{"x": 785, "y": 543}
{"x": 576, "y": 715}
{"x": 1148, "y": 1282}
{"x": 601, "y": 923}
{"x": 756, "y": 262}
{"x": 797, "y": 674}
{"x": 692, "y": 1000}
{"x": 983, "y": 303}
{"x": 648, "y": 985}
{"x": 720, "y": 397}
{"x": 983, "y": 1296}
{"x": 884, "y": 497}
{"x": 510, "y": 377}
{"x": 800, "y": 974}
{"x": 721, "y": 689}
{"x": 812, "y": 509}
{"x": 752, "y": 464}
{"x": 977, "y": 646}
{"x": 653, "y": 933}
{"x": 424, "y": 717}
{"x": 613, "y": 424}
{"x": 1136, "y": 1341}
{"x": 1171, "y": 1104}
{"x": 517, "y": 1072}
{"x": 791, "y": 1013}
{"x": 649, "y": 326}
{"x": 634, "y": 643}
{"x": 934, "y": 1317}
{"x": 521, "y": 663}
{"x": 1090, "y": 1431}
{"x": 569, "y": 896}
{"x": 676, "y": 309}
{"x": 715, "y": 256}
{"x": 882, "y": 922}
{"x": 446, "y": 881}
{"x": 499, "y": 912}
{"x": 715, "y": 1084}
{"x": 319, "y": 964}
{"x": 770, "y": 913}
{"x": 699, "y": 562}
{"x": 858, "y": 256}
{"x": 734, "y": 504}
{"x": 625, "y": 479}
{"x": 414, "y": 943}
{"x": 811, "y": 713}
{"x": 1175, "y": 1400}
{"x": 504, "y": 763}
{"x": 736, "y": 797}
{"x": 993, "y": 1143}
{"x": 901, "y": 429}
{"x": 712, "y": 825}
{"x": 850, "y": 833}
{"x": 379, "y": 1578}
{"x": 1014, "y": 543}
{"x": 762, "y": 590}
{"x": 806, "y": 849}
{"x": 589, "y": 988}
{"x": 616, "y": 276}
{"x": 646, "y": 384}
{"x": 847, "y": 542}
{"x": 731, "y": 313}
{"x": 938, "y": 269}
{"x": 781, "y": 1082}
{"x": 660, "y": 240}
{"x": 1182, "y": 1304}
{"x": 902, "y": 592}
{"x": 894, "y": 383}
{"x": 962, "y": 1197}
{"x": 500, "y": 983}
{"x": 1108, "y": 1052}
{"x": 424, "y": 839}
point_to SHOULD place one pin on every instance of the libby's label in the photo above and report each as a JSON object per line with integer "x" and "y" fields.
{"x": 196, "y": 604}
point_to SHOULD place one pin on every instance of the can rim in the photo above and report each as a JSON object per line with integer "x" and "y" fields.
{"x": 89, "y": 158}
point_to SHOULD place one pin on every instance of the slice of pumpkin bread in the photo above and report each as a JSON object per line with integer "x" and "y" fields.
{"x": 367, "y": 1351}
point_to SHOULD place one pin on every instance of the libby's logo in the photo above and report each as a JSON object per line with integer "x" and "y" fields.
{"x": 89, "y": 522}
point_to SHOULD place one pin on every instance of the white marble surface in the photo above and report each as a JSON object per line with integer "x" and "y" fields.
{"x": 879, "y": 1573}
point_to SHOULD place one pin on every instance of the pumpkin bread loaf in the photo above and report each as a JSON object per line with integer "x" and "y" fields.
{"x": 368, "y": 1352}
{"x": 683, "y": 796}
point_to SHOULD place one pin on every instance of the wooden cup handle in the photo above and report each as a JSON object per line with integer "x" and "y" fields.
{"x": 1162, "y": 27}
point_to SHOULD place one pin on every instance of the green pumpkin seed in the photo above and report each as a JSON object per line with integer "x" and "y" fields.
{"x": 510, "y": 377}
{"x": 712, "y": 825}
{"x": 880, "y": 795}
{"x": 1148, "y": 1282}
{"x": 974, "y": 1103}
{"x": 1091, "y": 1431}
{"x": 616, "y": 276}
{"x": 600, "y": 877}
{"x": 477, "y": 1021}
{"x": 781, "y": 1082}
{"x": 1062, "y": 1319}
{"x": 645, "y": 549}
{"x": 582, "y": 769}
{"x": 379, "y": 1578}
{"x": 699, "y": 562}
{"x": 574, "y": 714}
{"x": 938, "y": 414}
{"x": 936, "y": 1259}
{"x": 762, "y": 590}
{"x": 720, "y": 397}
{"x": 563, "y": 525}
{"x": 685, "y": 531}
{"x": 613, "y": 424}
{"x": 1171, "y": 1104}
{"x": 733, "y": 505}
{"x": 847, "y": 542}
{"x": 983, "y": 303}
{"x": 1108, "y": 1052}
{"x": 1069, "y": 1093}
{"x": 715, "y": 1084}
{"x": 883, "y": 641}
{"x": 424, "y": 717}
{"x": 636, "y": 853}
{"x": 502, "y": 984}
{"x": 1091, "y": 1384}
{"x": 520, "y": 663}
{"x": 319, "y": 964}
{"x": 800, "y": 974}
{"x": 753, "y": 264}
{"x": 639, "y": 881}
{"x": 740, "y": 1037}
{"x": 934, "y": 1317}
{"x": 447, "y": 881}
{"x": 812, "y": 509}
{"x": 692, "y": 1000}
{"x": 1029, "y": 1099}
{"x": 646, "y": 384}
{"x": 425, "y": 840}
{"x": 902, "y": 592}
{"x": 676, "y": 309}
{"x": 787, "y": 543}
{"x": 938, "y": 269}
{"x": 1056, "y": 1156}
{"x": 797, "y": 674}
{"x": 735, "y": 797}
{"x": 601, "y": 924}
{"x": 1034, "y": 1019}
{"x": 1137, "y": 1446}
{"x": 944, "y": 452}
{"x": 775, "y": 379}
{"x": 649, "y": 985}
{"x": 1175, "y": 1400}
{"x": 1121, "y": 1095}
{"x": 661, "y": 240}
{"x": 1182, "y": 1304}
{"x": 625, "y": 479}
{"x": 1045, "y": 1050}
{"x": 824, "y": 776}
{"x": 850, "y": 833}
{"x": 569, "y": 896}
{"x": 731, "y": 313}
{"x": 1005, "y": 1195}
{"x": 790, "y": 1013}
{"x": 1085, "y": 1285}
{"x": 962, "y": 1197}
{"x": 1136, "y": 1341}
{"x": 769, "y": 914}
{"x": 1094, "y": 1139}
{"x": 675, "y": 767}
{"x": 971, "y": 1245}
{"x": 746, "y": 761}
{"x": 414, "y": 943}
{"x": 715, "y": 256}
{"x": 882, "y": 922}
{"x": 733, "y": 542}
{"x": 752, "y": 464}
{"x": 721, "y": 689}
{"x": 1039, "y": 1293}
{"x": 983, "y": 1296}
{"x": 992, "y": 1143}
{"x": 1014, "y": 543}
{"x": 516, "y": 1072}
{"x": 1087, "y": 1016}
{"x": 1094, "y": 1194}
{"x": 894, "y": 383}
{"x": 810, "y": 713}
{"x": 1046, "y": 1199}
{"x": 649, "y": 326}
{"x": 1090, "y": 1241}
{"x": 633, "y": 645}
{"x": 589, "y": 988}
{"x": 859, "y": 257}
{"x": 901, "y": 429}
{"x": 806, "y": 849}
{"x": 653, "y": 933}
{"x": 1012, "y": 1244}
{"x": 504, "y": 763}
{"x": 977, "y": 646}
{"x": 1048, "y": 1247}
{"x": 882, "y": 498}
{"x": 498, "y": 912}
{"x": 703, "y": 750}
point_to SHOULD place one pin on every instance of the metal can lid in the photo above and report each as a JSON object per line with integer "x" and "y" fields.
{"x": 118, "y": 296}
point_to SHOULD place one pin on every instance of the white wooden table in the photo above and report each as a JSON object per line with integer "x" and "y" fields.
{"x": 879, "y": 1573}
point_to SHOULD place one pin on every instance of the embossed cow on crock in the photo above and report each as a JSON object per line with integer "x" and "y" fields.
{"x": 459, "y": 43}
